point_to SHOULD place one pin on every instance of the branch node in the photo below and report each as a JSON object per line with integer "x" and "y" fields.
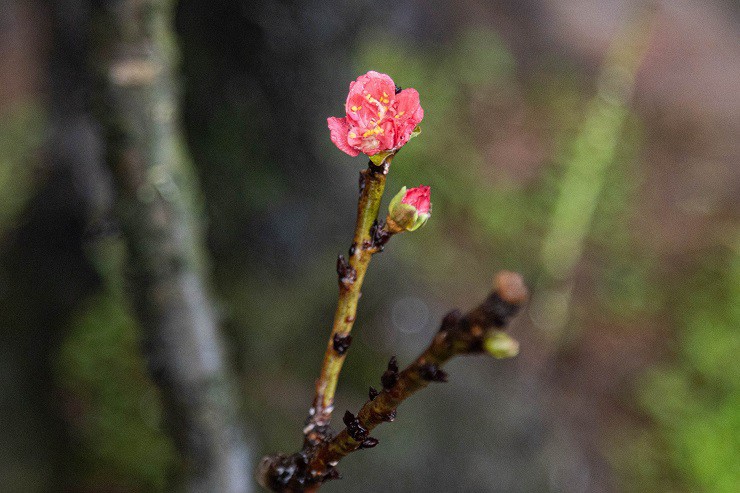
{"x": 372, "y": 393}
{"x": 450, "y": 321}
{"x": 375, "y": 169}
{"x": 347, "y": 274}
{"x": 369, "y": 442}
{"x": 390, "y": 376}
{"x": 354, "y": 428}
{"x": 498, "y": 310}
{"x": 341, "y": 343}
{"x": 379, "y": 235}
{"x": 432, "y": 373}
{"x": 332, "y": 474}
{"x": 281, "y": 472}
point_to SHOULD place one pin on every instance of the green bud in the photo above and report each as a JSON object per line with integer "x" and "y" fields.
{"x": 500, "y": 345}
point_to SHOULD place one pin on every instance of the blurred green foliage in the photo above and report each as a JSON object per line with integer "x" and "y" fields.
{"x": 584, "y": 212}
{"x": 21, "y": 132}
{"x": 693, "y": 400}
{"x": 113, "y": 408}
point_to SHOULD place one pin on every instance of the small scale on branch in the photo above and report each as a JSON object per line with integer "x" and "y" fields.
{"x": 477, "y": 332}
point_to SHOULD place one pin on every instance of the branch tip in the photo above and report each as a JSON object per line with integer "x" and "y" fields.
{"x": 379, "y": 169}
{"x": 510, "y": 287}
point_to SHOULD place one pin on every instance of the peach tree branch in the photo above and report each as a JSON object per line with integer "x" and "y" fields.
{"x": 476, "y": 332}
{"x": 351, "y": 272}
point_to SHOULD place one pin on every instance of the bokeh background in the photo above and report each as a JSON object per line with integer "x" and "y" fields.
{"x": 590, "y": 145}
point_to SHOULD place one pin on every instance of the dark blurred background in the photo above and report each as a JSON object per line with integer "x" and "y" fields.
{"x": 590, "y": 145}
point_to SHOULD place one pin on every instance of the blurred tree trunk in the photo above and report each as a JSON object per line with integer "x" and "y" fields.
{"x": 157, "y": 210}
{"x": 44, "y": 271}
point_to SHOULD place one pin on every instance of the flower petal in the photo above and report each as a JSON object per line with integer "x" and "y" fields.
{"x": 369, "y": 99}
{"x": 407, "y": 115}
{"x": 339, "y": 130}
{"x": 380, "y": 86}
{"x": 419, "y": 197}
{"x": 407, "y": 106}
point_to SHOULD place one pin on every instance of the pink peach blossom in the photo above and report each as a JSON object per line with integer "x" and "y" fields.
{"x": 378, "y": 119}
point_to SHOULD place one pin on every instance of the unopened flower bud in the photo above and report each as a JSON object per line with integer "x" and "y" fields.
{"x": 410, "y": 209}
{"x": 501, "y": 345}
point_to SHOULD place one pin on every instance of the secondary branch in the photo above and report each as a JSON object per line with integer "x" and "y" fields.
{"x": 476, "y": 332}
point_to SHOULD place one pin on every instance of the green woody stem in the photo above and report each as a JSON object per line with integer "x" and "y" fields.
{"x": 351, "y": 274}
